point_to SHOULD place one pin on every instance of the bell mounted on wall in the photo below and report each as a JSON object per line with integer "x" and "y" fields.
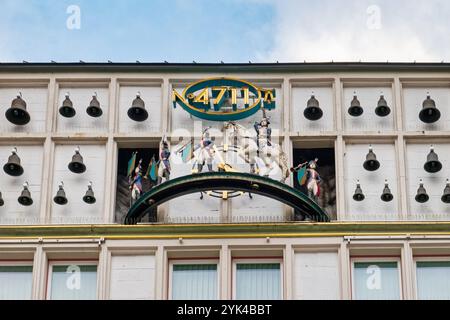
{"x": 60, "y": 197}
{"x": 429, "y": 112}
{"x": 1, "y": 200}
{"x": 382, "y": 109}
{"x": 18, "y": 113}
{"x": 371, "y": 163}
{"x": 386, "y": 196}
{"x": 89, "y": 197}
{"x": 137, "y": 110}
{"x": 446, "y": 196}
{"x": 67, "y": 110}
{"x": 358, "y": 195}
{"x": 355, "y": 109}
{"x": 313, "y": 111}
{"x": 25, "y": 196}
{"x": 422, "y": 195}
{"x": 433, "y": 164}
{"x": 13, "y": 167}
{"x": 77, "y": 165}
{"x": 94, "y": 109}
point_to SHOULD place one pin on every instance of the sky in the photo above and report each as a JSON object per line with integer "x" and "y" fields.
{"x": 224, "y": 30}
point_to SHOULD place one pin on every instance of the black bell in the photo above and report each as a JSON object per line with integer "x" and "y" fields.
{"x": 433, "y": 164}
{"x": 60, "y": 197}
{"x": 446, "y": 196}
{"x": 25, "y": 196}
{"x": 429, "y": 112}
{"x": 313, "y": 111}
{"x": 386, "y": 196}
{"x": 94, "y": 109}
{"x": 355, "y": 109}
{"x": 89, "y": 197}
{"x": 137, "y": 110}
{"x": 77, "y": 165}
{"x": 358, "y": 196}
{"x": 382, "y": 109}
{"x": 421, "y": 195}
{"x": 67, "y": 109}
{"x": 18, "y": 113}
{"x": 13, "y": 167}
{"x": 1, "y": 200}
{"x": 371, "y": 163}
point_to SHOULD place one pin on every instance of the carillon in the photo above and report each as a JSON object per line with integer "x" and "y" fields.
{"x": 433, "y": 164}
{"x": 429, "y": 112}
{"x": 446, "y": 196}
{"x": 60, "y": 197}
{"x": 25, "y": 196}
{"x": 358, "y": 196}
{"x": 89, "y": 197}
{"x": 67, "y": 110}
{"x": 77, "y": 165}
{"x": 382, "y": 109}
{"x": 94, "y": 109}
{"x": 355, "y": 109}
{"x": 313, "y": 111}
{"x": 421, "y": 195}
{"x": 18, "y": 113}
{"x": 386, "y": 196}
{"x": 137, "y": 110}
{"x": 371, "y": 163}
{"x": 13, "y": 166}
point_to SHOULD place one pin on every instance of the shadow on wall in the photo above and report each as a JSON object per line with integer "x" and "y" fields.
{"x": 326, "y": 170}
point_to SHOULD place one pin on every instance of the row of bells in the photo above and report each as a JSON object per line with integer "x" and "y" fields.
{"x": 60, "y": 198}
{"x": 432, "y": 165}
{"x": 387, "y": 196}
{"x": 429, "y": 113}
{"x": 18, "y": 114}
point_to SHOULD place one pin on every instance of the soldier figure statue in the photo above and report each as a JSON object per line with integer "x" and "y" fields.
{"x": 308, "y": 176}
{"x": 206, "y": 154}
{"x": 164, "y": 162}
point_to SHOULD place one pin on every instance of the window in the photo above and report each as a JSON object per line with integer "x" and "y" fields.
{"x": 72, "y": 281}
{"x": 193, "y": 281}
{"x": 15, "y": 282}
{"x": 257, "y": 281}
{"x": 433, "y": 280}
{"x": 376, "y": 280}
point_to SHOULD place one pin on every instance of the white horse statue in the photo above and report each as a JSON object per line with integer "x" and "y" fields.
{"x": 261, "y": 155}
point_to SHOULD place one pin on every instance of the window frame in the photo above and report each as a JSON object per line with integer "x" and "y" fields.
{"x": 424, "y": 259}
{"x": 21, "y": 263}
{"x": 236, "y": 261}
{"x": 354, "y": 260}
{"x": 180, "y": 261}
{"x": 51, "y": 263}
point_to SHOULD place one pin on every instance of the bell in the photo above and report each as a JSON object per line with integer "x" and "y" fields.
{"x": 94, "y": 109}
{"x": 355, "y": 109}
{"x": 89, "y": 197}
{"x": 13, "y": 167}
{"x": 429, "y": 112}
{"x": 313, "y": 111}
{"x": 1, "y": 200}
{"x": 137, "y": 110}
{"x": 446, "y": 196}
{"x": 382, "y": 109}
{"x": 421, "y": 195}
{"x": 371, "y": 163}
{"x": 386, "y": 196}
{"x": 433, "y": 164}
{"x": 67, "y": 109}
{"x": 60, "y": 197}
{"x": 18, "y": 113}
{"x": 25, "y": 196}
{"x": 358, "y": 196}
{"x": 77, "y": 165}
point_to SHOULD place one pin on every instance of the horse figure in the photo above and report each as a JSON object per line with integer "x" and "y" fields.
{"x": 261, "y": 153}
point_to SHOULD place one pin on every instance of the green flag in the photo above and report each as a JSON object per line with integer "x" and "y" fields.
{"x": 152, "y": 171}
{"x": 301, "y": 176}
{"x": 131, "y": 164}
{"x": 187, "y": 153}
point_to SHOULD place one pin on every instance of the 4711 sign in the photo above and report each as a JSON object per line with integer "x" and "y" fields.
{"x": 223, "y": 99}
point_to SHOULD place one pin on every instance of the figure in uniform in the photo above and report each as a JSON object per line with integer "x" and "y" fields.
{"x": 164, "y": 162}
{"x": 206, "y": 154}
{"x": 308, "y": 177}
{"x": 136, "y": 183}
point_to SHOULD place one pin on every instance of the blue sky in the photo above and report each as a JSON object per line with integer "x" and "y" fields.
{"x": 228, "y": 30}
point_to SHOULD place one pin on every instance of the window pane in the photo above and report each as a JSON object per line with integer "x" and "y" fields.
{"x": 15, "y": 282}
{"x": 74, "y": 282}
{"x": 433, "y": 280}
{"x": 376, "y": 281}
{"x": 194, "y": 282}
{"x": 258, "y": 281}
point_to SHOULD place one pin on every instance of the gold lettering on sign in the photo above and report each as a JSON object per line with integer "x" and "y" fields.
{"x": 203, "y": 97}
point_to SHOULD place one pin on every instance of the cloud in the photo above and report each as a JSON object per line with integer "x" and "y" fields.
{"x": 353, "y": 30}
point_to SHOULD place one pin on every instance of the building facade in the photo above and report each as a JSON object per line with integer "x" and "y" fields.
{"x": 65, "y": 227}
